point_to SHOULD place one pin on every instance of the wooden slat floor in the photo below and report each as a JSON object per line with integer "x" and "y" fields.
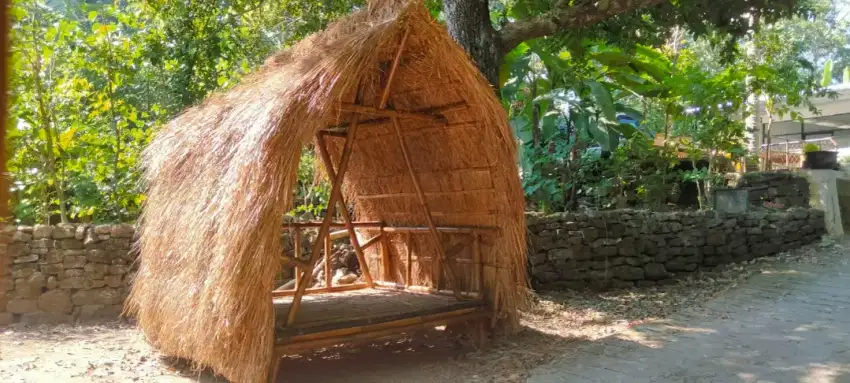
{"x": 331, "y": 311}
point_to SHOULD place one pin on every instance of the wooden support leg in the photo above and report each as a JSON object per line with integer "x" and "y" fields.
{"x": 352, "y": 235}
{"x": 336, "y": 184}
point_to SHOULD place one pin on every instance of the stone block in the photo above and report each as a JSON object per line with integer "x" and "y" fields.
{"x": 25, "y": 259}
{"x": 73, "y": 273}
{"x": 645, "y": 284}
{"x": 52, "y": 282}
{"x": 73, "y": 283}
{"x": 103, "y": 229}
{"x": 80, "y": 232}
{"x": 101, "y": 296}
{"x": 20, "y": 236}
{"x": 123, "y": 231}
{"x": 571, "y": 274}
{"x": 75, "y": 261}
{"x": 21, "y": 306}
{"x": 98, "y": 256}
{"x": 63, "y": 231}
{"x": 113, "y": 280}
{"x": 56, "y": 301}
{"x": 70, "y": 243}
{"x": 42, "y": 231}
{"x": 44, "y": 243}
{"x": 54, "y": 269}
{"x": 22, "y": 271}
{"x": 96, "y": 270}
{"x": 53, "y": 256}
{"x": 627, "y": 273}
{"x": 560, "y": 254}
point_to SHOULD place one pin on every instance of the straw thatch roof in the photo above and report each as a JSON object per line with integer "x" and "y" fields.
{"x": 220, "y": 179}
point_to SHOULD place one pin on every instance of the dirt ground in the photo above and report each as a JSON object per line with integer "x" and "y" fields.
{"x": 117, "y": 352}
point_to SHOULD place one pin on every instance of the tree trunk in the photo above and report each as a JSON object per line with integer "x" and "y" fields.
{"x": 468, "y": 22}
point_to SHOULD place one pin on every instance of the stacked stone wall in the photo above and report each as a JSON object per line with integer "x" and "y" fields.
{"x": 624, "y": 248}
{"x": 67, "y": 273}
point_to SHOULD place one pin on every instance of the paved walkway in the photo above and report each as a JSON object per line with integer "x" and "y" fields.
{"x": 789, "y": 326}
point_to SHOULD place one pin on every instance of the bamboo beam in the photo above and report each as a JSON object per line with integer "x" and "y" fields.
{"x": 435, "y": 235}
{"x": 297, "y": 262}
{"x": 315, "y": 224}
{"x": 383, "y": 330}
{"x": 339, "y": 130}
{"x": 427, "y": 194}
{"x": 424, "y": 290}
{"x": 317, "y": 290}
{"x": 345, "y": 107}
{"x": 441, "y": 229}
{"x": 336, "y": 184}
{"x": 346, "y": 218}
{"x": 371, "y": 241}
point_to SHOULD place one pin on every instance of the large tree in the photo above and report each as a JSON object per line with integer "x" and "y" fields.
{"x": 488, "y": 39}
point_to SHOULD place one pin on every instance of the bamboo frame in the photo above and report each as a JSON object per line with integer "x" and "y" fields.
{"x": 345, "y": 107}
{"x": 297, "y": 245}
{"x": 424, "y": 289}
{"x": 371, "y": 241}
{"x": 385, "y": 257}
{"x": 328, "y": 276}
{"x": 408, "y": 274}
{"x": 376, "y": 331}
{"x": 317, "y": 290}
{"x": 478, "y": 276}
{"x": 435, "y": 235}
{"x": 339, "y": 130}
{"x": 323, "y": 230}
{"x": 297, "y": 262}
{"x": 346, "y": 217}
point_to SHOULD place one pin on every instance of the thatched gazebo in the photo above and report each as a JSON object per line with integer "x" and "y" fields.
{"x": 406, "y": 123}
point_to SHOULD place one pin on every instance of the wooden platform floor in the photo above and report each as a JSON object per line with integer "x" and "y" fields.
{"x": 332, "y": 311}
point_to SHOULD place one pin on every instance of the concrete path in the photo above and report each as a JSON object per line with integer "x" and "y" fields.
{"x": 792, "y": 325}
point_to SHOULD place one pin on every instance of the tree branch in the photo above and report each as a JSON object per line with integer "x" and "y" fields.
{"x": 563, "y": 16}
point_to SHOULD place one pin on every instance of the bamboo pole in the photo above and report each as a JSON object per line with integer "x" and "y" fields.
{"x": 316, "y": 224}
{"x": 336, "y": 184}
{"x": 391, "y": 113}
{"x": 385, "y": 96}
{"x": 316, "y": 290}
{"x": 346, "y": 217}
{"x": 478, "y": 277}
{"x": 371, "y": 241}
{"x": 298, "y": 256}
{"x": 328, "y": 276}
{"x": 385, "y": 258}
{"x": 339, "y": 130}
{"x": 408, "y": 275}
{"x": 435, "y": 235}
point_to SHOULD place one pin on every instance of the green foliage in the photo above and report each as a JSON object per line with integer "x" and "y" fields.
{"x": 811, "y": 147}
{"x": 93, "y": 80}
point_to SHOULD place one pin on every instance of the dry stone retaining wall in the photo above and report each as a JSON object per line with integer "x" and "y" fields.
{"x": 785, "y": 189}
{"x": 624, "y": 248}
{"x": 67, "y": 273}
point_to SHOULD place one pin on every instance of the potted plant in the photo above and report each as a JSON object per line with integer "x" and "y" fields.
{"x": 819, "y": 159}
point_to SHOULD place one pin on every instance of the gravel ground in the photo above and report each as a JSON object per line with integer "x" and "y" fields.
{"x": 117, "y": 352}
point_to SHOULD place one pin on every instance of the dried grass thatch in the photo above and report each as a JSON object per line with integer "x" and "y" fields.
{"x": 220, "y": 179}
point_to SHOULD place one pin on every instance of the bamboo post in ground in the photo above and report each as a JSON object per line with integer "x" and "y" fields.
{"x": 478, "y": 264}
{"x": 336, "y": 184}
{"x": 385, "y": 257}
{"x": 408, "y": 275}
{"x": 297, "y": 245}
{"x": 346, "y": 217}
{"x": 328, "y": 276}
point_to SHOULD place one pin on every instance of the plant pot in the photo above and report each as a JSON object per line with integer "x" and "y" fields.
{"x": 821, "y": 160}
